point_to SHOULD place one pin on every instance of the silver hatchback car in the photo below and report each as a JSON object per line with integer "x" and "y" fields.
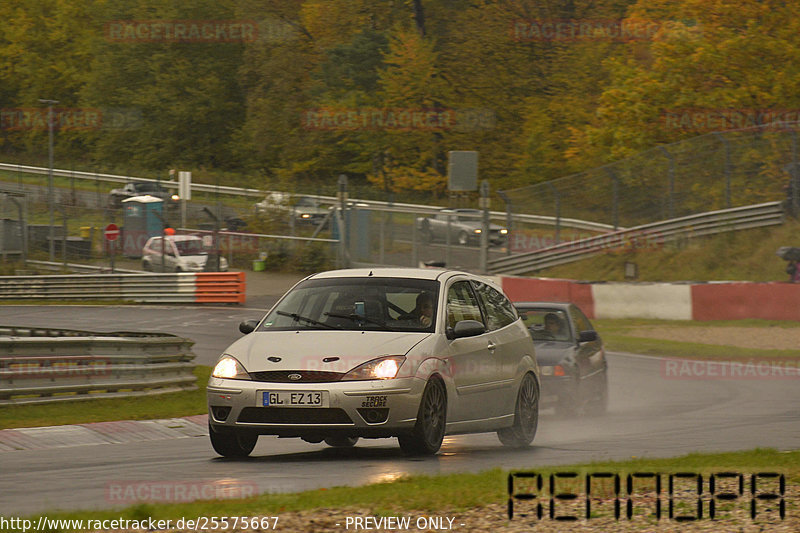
{"x": 415, "y": 354}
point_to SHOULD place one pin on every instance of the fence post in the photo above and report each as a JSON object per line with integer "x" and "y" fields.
{"x": 671, "y": 196}
{"x": 484, "y": 205}
{"x": 727, "y": 146}
{"x": 509, "y": 219}
{"x": 614, "y": 197}
{"x": 557, "y": 198}
{"x": 343, "y": 236}
{"x": 795, "y": 178}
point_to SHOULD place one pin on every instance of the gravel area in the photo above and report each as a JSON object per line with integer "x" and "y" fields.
{"x": 777, "y": 338}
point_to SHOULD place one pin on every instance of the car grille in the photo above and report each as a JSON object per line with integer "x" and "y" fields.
{"x": 308, "y": 376}
{"x": 293, "y": 415}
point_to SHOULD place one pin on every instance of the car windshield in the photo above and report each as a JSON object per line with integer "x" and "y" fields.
{"x": 469, "y": 216}
{"x": 307, "y": 202}
{"x": 147, "y": 187}
{"x": 547, "y": 324}
{"x": 376, "y": 304}
{"x": 190, "y": 247}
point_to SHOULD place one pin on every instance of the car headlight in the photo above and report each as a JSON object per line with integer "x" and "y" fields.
{"x": 476, "y": 231}
{"x": 229, "y": 368}
{"x": 381, "y": 368}
{"x": 175, "y": 197}
{"x": 503, "y": 231}
{"x": 305, "y": 215}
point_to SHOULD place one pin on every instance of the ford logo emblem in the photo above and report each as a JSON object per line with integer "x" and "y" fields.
{"x": 295, "y": 377}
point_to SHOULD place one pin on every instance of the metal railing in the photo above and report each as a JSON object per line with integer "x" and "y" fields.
{"x": 144, "y": 288}
{"x": 646, "y": 235}
{"x": 43, "y": 365}
{"x": 397, "y": 207}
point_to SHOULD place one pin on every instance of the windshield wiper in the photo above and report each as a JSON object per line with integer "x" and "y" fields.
{"x": 305, "y": 319}
{"x": 361, "y": 318}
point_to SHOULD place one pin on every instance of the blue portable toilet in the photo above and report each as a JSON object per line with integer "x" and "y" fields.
{"x": 141, "y": 220}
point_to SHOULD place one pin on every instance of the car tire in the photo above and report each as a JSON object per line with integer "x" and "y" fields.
{"x": 178, "y": 270}
{"x": 526, "y": 415}
{"x": 231, "y": 442}
{"x": 463, "y": 238}
{"x": 428, "y": 433}
{"x": 146, "y": 266}
{"x": 598, "y": 406}
{"x": 341, "y": 442}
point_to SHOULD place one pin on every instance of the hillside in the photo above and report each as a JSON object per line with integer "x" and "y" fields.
{"x": 741, "y": 255}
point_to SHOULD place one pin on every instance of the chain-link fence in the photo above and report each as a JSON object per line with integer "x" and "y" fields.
{"x": 714, "y": 171}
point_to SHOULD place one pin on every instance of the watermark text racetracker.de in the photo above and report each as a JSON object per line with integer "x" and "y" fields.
{"x": 133, "y": 491}
{"x": 398, "y": 119}
{"x": 70, "y": 118}
{"x": 198, "y": 523}
{"x": 181, "y": 31}
{"x": 755, "y": 368}
{"x": 584, "y": 30}
{"x": 705, "y": 120}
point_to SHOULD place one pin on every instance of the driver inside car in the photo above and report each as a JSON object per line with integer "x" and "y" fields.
{"x": 554, "y": 325}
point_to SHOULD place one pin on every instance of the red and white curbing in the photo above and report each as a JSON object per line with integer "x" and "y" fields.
{"x": 671, "y": 301}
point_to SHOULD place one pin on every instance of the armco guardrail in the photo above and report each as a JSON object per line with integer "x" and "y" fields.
{"x": 754, "y": 216}
{"x": 200, "y": 287}
{"x": 42, "y": 365}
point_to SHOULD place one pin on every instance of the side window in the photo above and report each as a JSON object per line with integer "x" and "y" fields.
{"x": 499, "y": 311}
{"x": 581, "y": 322}
{"x": 156, "y": 245}
{"x": 462, "y": 304}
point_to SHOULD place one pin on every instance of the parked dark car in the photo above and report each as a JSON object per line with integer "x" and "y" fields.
{"x": 465, "y": 227}
{"x": 141, "y": 188}
{"x": 571, "y": 357}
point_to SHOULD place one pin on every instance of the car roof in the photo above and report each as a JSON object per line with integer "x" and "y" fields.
{"x": 180, "y": 237}
{"x": 384, "y": 272}
{"x": 562, "y": 306}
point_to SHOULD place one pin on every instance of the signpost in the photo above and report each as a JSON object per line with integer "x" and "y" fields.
{"x": 111, "y": 234}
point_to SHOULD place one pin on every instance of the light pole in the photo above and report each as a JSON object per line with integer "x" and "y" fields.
{"x": 50, "y": 176}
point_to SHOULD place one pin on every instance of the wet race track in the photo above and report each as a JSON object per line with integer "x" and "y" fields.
{"x": 651, "y": 414}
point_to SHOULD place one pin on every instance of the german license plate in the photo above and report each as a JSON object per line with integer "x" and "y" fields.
{"x": 296, "y": 398}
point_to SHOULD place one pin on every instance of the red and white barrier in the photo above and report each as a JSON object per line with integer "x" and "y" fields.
{"x": 671, "y": 301}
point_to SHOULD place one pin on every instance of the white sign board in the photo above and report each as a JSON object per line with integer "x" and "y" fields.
{"x": 462, "y": 171}
{"x": 185, "y": 185}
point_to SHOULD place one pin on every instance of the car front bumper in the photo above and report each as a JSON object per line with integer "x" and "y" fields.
{"x": 375, "y": 408}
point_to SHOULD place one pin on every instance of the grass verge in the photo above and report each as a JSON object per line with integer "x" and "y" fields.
{"x": 453, "y": 493}
{"x": 620, "y": 335}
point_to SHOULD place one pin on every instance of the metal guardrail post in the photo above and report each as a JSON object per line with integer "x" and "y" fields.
{"x": 484, "y": 205}
{"x": 509, "y": 218}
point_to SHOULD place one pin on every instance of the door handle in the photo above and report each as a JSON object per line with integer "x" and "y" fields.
{"x": 491, "y": 347}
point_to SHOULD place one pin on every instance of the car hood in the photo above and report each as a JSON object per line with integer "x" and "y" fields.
{"x": 549, "y": 353}
{"x": 305, "y": 350}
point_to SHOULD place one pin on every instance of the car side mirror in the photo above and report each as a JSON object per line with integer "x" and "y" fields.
{"x": 466, "y": 328}
{"x": 587, "y": 336}
{"x": 248, "y": 326}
